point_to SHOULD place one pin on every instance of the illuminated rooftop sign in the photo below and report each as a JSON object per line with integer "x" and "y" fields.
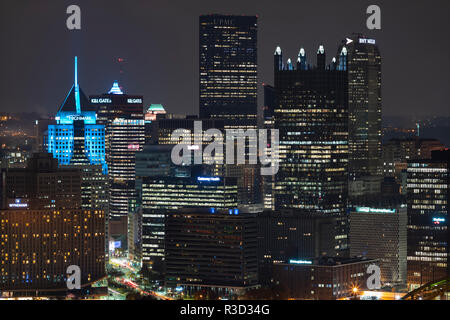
{"x": 134, "y": 100}
{"x": 296, "y": 261}
{"x": 438, "y": 220}
{"x": 67, "y": 117}
{"x": 18, "y": 204}
{"x": 374, "y": 210}
{"x": 208, "y": 179}
{"x": 101, "y": 100}
{"x": 369, "y": 41}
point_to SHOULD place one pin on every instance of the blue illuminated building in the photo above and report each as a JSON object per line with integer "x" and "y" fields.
{"x": 76, "y": 138}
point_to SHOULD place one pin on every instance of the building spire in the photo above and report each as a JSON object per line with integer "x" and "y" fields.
{"x": 77, "y": 88}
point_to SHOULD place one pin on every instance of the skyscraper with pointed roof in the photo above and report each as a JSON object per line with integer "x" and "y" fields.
{"x": 123, "y": 117}
{"x": 76, "y": 138}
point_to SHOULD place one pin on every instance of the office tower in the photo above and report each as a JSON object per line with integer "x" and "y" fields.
{"x": 40, "y": 132}
{"x": 123, "y": 117}
{"x": 397, "y": 152}
{"x": 153, "y": 161}
{"x": 46, "y": 244}
{"x": 15, "y": 158}
{"x": 228, "y": 86}
{"x": 365, "y": 187}
{"x": 94, "y": 191}
{"x": 211, "y": 249}
{"x": 364, "y": 105}
{"x": 380, "y": 233}
{"x": 77, "y": 137}
{"x": 44, "y": 229}
{"x": 428, "y": 236}
{"x": 323, "y": 278}
{"x": 161, "y": 195}
{"x": 228, "y": 69}
{"x": 288, "y": 234}
{"x": 312, "y": 118}
{"x": 150, "y": 117}
{"x": 44, "y": 183}
{"x": 156, "y": 161}
{"x": 165, "y": 125}
{"x": 268, "y": 181}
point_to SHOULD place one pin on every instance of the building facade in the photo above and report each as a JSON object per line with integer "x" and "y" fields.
{"x": 380, "y": 233}
{"x": 323, "y": 278}
{"x": 211, "y": 248}
{"x": 123, "y": 118}
{"x": 364, "y": 105}
{"x": 77, "y": 137}
{"x": 228, "y": 69}
{"x": 312, "y": 118}
{"x": 161, "y": 195}
{"x": 46, "y": 225}
{"x": 428, "y": 237}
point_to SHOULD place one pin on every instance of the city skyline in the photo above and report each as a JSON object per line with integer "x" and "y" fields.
{"x": 136, "y": 188}
{"x": 163, "y": 51}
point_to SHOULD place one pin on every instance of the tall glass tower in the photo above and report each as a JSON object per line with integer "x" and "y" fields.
{"x": 123, "y": 117}
{"x": 228, "y": 68}
{"x": 428, "y": 253}
{"x": 311, "y": 114}
{"x": 364, "y": 106}
{"x": 228, "y": 85}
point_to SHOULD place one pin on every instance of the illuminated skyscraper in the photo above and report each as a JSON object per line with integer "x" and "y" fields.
{"x": 228, "y": 69}
{"x": 123, "y": 117}
{"x": 212, "y": 248}
{"x": 77, "y": 138}
{"x": 381, "y": 233}
{"x": 46, "y": 225}
{"x": 268, "y": 181}
{"x": 428, "y": 209}
{"x": 162, "y": 195}
{"x": 228, "y": 85}
{"x": 364, "y": 106}
{"x": 311, "y": 115}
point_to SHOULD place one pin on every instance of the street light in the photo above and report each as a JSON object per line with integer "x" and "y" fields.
{"x": 355, "y": 292}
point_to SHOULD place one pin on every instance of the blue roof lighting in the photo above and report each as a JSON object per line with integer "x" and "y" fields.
{"x": 115, "y": 89}
{"x": 77, "y": 88}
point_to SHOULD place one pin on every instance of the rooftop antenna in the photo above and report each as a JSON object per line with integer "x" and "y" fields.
{"x": 121, "y": 62}
{"x": 418, "y": 129}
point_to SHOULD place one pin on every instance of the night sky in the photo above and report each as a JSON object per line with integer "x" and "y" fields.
{"x": 159, "y": 40}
